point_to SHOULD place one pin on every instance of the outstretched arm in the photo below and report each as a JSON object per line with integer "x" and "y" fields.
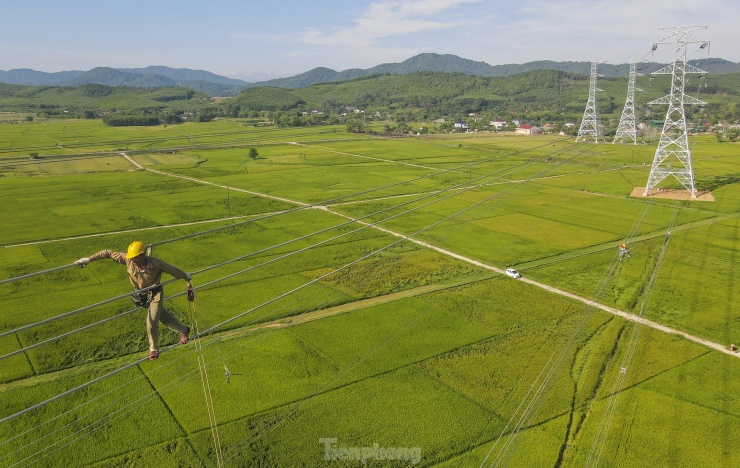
{"x": 118, "y": 257}
{"x": 172, "y": 270}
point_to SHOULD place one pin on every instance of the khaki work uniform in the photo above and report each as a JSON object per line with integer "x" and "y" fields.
{"x": 149, "y": 276}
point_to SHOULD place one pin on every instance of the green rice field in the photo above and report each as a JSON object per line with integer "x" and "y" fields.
{"x": 351, "y": 287}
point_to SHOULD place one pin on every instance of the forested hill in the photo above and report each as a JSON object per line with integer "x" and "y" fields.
{"x": 421, "y": 95}
{"x": 538, "y": 94}
{"x": 149, "y": 77}
{"x": 454, "y": 64}
{"x": 215, "y": 85}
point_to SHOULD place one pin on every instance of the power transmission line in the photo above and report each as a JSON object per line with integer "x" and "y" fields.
{"x": 504, "y": 446}
{"x": 211, "y": 329}
{"x": 299, "y": 208}
{"x": 448, "y": 218}
{"x": 597, "y": 446}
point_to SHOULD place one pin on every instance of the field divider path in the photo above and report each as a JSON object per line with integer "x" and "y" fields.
{"x": 214, "y": 184}
{"x": 589, "y": 302}
{"x": 611, "y": 310}
{"x": 357, "y": 305}
{"x": 132, "y": 161}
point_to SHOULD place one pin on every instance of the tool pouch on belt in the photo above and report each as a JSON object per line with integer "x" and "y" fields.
{"x": 143, "y": 298}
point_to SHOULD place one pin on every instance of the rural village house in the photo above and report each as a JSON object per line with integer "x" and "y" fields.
{"x": 525, "y": 129}
{"x": 497, "y": 123}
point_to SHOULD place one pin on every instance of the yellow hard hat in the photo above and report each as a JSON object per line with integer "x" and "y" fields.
{"x": 135, "y": 249}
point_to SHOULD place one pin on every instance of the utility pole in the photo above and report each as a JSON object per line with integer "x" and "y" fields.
{"x": 591, "y": 122}
{"x": 673, "y": 147}
{"x": 627, "y": 123}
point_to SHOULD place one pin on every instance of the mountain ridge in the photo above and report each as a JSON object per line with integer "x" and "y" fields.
{"x": 217, "y": 85}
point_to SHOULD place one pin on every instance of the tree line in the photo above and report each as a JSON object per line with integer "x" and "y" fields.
{"x": 537, "y": 96}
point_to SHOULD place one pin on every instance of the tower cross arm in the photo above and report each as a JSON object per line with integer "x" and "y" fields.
{"x": 663, "y": 100}
{"x": 692, "y": 100}
{"x": 692, "y": 69}
{"x": 685, "y": 33}
{"x": 667, "y": 70}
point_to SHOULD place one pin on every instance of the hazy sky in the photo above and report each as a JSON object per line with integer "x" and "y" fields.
{"x": 254, "y": 40}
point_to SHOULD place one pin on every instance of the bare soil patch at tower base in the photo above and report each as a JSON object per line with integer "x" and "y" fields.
{"x": 671, "y": 194}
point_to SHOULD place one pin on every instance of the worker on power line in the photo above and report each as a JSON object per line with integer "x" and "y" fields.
{"x": 145, "y": 271}
{"x": 624, "y": 250}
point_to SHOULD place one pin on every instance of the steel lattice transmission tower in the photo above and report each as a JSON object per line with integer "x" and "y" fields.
{"x": 673, "y": 148}
{"x": 591, "y": 122}
{"x": 627, "y": 127}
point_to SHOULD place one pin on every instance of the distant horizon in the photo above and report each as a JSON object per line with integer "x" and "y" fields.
{"x": 320, "y": 66}
{"x": 259, "y": 41}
